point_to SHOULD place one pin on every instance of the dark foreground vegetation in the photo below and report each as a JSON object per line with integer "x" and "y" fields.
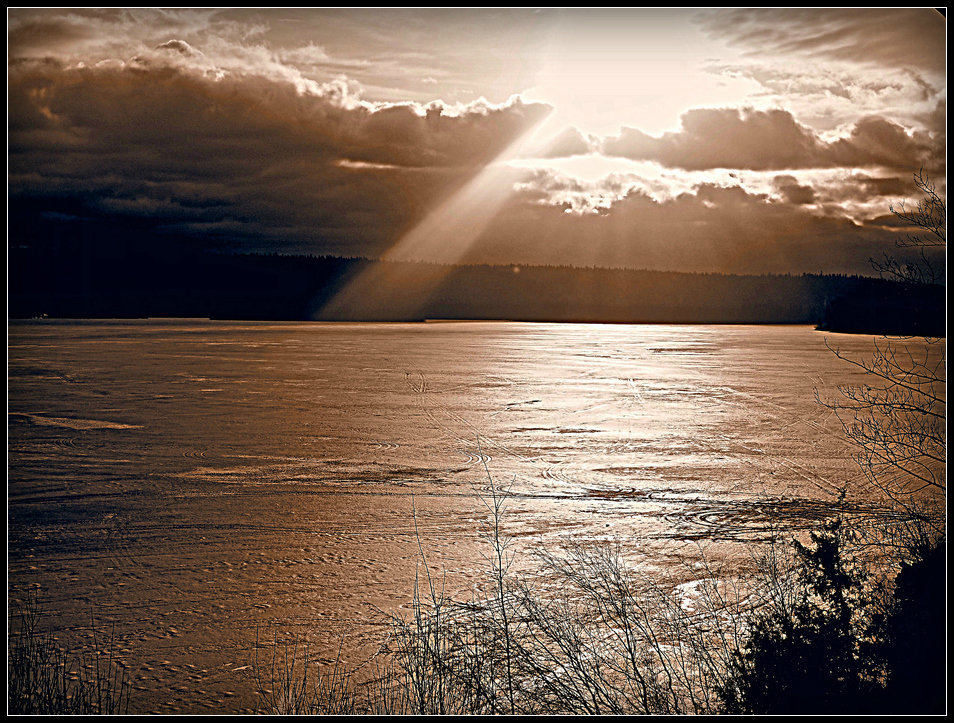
{"x": 846, "y": 642}
{"x": 818, "y": 628}
{"x": 841, "y": 624}
{"x": 45, "y": 675}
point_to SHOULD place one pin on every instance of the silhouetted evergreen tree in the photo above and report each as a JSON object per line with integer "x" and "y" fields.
{"x": 915, "y": 639}
{"x": 846, "y": 645}
{"x": 821, "y": 654}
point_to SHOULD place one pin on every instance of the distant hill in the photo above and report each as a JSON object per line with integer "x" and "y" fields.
{"x": 278, "y": 287}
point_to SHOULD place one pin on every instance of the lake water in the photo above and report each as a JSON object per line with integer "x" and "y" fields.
{"x": 192, "y": 483}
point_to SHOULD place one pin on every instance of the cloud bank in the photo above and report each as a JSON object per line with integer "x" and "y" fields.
{"x": 243, "y": 153}
{"x": 210, "y": 129}
{"x": 773, "y": 141}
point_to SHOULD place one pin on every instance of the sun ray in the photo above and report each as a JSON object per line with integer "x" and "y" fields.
{"x": 394, "y": 289}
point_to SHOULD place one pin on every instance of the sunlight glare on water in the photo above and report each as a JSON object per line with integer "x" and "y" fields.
{"x": 196, "y": 482}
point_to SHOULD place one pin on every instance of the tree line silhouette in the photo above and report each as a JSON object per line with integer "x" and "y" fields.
{"x": 77, "y": 279}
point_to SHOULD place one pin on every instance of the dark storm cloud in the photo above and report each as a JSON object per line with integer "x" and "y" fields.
{"x": 832, "y": 193}
{"x": 722, "y": 138}
{"x": 773, "y": 140}
{"x": 242, "y": 155}
{"x": 794, "y": 192}
{"x": 891, "y": 187}
{"x": 879, "y": 142}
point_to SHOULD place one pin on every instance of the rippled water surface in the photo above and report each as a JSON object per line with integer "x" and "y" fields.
{"x": 193, "y": 483}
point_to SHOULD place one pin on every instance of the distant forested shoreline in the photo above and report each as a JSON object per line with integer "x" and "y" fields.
{"x": 285, "y": 287}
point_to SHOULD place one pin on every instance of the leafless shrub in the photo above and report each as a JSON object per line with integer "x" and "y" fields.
{"x": 897, "y": 417}
{"x": 928, "y": 218}
{"x": 584, "y": 634}
{"x": 44, "y": 677}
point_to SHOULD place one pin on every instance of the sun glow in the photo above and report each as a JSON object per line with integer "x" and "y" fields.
{"x": 601, "y": 76}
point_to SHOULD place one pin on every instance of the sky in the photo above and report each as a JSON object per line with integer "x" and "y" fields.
{"x": 738, "y": 141}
